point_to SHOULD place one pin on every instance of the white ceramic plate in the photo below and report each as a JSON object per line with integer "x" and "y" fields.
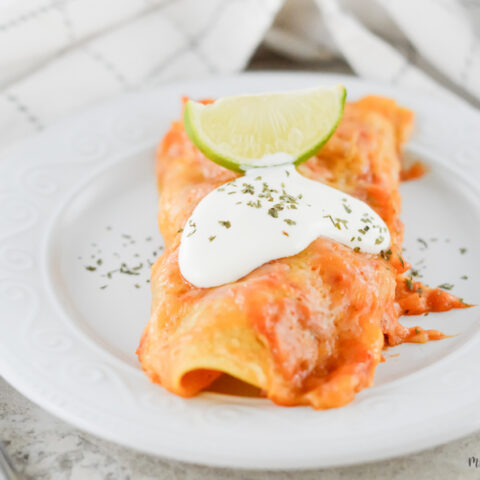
{"x": 70, "y": 346}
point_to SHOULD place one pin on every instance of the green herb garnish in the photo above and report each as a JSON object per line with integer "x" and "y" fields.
{"x": 343, "y": 222}
{"x": 423, "y": 242}
{"x": 194, "y": 230}
{"x": 335, "y": 224}
{"x": 273, "y": 212}
{"x": 126, "y": 270}
{"x": 247, "y": 188}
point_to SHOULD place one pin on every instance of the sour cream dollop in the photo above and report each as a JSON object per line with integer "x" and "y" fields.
{"x": 270, "y": 213}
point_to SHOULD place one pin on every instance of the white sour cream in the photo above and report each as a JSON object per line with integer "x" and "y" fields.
{"x": 270, "y": 213}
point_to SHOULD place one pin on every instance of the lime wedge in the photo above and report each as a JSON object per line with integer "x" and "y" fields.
{"x": 268, "y": 129}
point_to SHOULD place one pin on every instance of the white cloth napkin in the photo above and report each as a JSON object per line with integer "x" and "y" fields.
{"x": 420, "y": 44}
{"x": 61, "y": 55}
{"x": 58, "y": 56}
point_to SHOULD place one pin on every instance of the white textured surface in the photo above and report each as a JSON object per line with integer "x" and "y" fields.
{"x": 45, "y": 448}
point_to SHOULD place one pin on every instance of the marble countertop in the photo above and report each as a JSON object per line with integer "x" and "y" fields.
{"x": 45, "y": 448}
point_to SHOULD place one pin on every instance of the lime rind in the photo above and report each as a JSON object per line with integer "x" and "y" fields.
{"x": 192, "y": 121}
{"x": 194, "y": 137}
{"x": 316, "y": 148}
